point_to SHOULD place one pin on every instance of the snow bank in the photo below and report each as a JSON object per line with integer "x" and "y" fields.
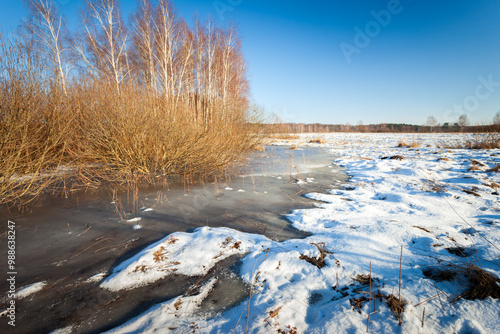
{"x": 190, "y": 254}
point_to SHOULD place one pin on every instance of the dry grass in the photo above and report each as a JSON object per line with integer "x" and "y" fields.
{"x": 394, "y": 157}
{"x": 258, "y": 148}
{"x": 284, "y": 136}
{"x": 33, "y": 127}
{"x": 488, "y": 142}
{"x": 474, "y": 169}
{"x": 362, "y": 279}
{"x": 397, "y": 305}
{"x": 318, "y": 141}
{"x": 481, "y": 284}
{"x": 422, "y": 228}
{"x": 493, "y": 185}
{"x": 402, "y": 144}
{"x": 494, "y": 169}
{"x": 475, "y": 283}
{"x": 320, "y": 260}
{"x": 475, "y": 162}
{"x": 479, "y": 141}
{"x": 410, "y": 145}
{"x": 471, "y": 192}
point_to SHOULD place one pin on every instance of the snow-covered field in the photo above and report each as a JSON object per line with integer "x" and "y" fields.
{"x": 437, "y": 207}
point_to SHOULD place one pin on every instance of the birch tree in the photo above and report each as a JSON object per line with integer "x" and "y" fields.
{"x": 143, "y": 39}
{"x": 105, "y": 38}
{"x": 47, "y": 26}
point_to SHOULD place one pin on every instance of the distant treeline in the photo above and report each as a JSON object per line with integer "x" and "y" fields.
{"x": 380, "y": 128}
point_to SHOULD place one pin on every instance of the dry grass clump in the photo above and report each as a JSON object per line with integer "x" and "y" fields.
{"x": 410, "y": 145}
{"x": 494, "y": 169}
{"x": 394, "y": 157}
{"x": 492, "y": 185}
{"x": 471, "y": 192}
{"x": 362, "y": 279}
{"x": 402, "y": 144}
{"x": 475, "y": 162}
{"x": 477, "y": 283}
{"x": 474, "y": 169}
{"x": 320, "y": 260}
{"x": 481, "y": 284}
{"x": 397, "y": 305}
{"x": 317, "y": 141}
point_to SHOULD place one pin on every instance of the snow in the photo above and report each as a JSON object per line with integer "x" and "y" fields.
{"x": 30, "y": 289}
{"x": 65, "y": 330}
{"x": 96, "y": 278}
{"x": 425, "y": 203}
{"x": 181, "y": 253}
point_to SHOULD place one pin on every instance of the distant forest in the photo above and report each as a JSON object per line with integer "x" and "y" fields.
{"x": 381, "y": 128}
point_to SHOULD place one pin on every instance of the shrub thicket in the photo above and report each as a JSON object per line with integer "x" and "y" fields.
{"x": 116, "y": 103}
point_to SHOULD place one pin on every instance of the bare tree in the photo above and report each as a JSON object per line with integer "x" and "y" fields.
{"x": 166, "y": 43}
{"x": 184, "y": 63}
{"x": 463, "y": 121}
{"x": 105, "y": 38}
{"x": 496, "y": 119}
{"x": 143, "y": 38}
{"x": 47, "y": 26}
{"x": 431, "y": 122}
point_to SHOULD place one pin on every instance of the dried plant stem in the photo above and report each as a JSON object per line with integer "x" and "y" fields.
{"x": 369, "y": 299}
{"x": 399, "y": 293}
{"x": 423, "y": 317}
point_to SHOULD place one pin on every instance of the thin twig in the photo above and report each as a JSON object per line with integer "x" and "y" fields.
{"x": 429, "y": 299}
{"x": 95, "y": 243}
{"x": 423, "y": 317}
{"x": 369, "y": 299}
{"x": 83, "y": 231}
{"x": 285, "y": 194}
{"x": 400, "y": 266}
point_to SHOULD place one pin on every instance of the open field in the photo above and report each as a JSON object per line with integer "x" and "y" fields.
{"x": 410, "y": 240}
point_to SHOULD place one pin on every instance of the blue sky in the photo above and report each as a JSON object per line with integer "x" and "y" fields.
{"x": 421, "y": 58}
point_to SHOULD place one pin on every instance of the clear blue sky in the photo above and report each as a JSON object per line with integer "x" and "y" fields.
{"x": 333, "y": 62}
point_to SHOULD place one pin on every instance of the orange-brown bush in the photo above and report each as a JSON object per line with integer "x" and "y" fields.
{"x": 171, "y": 102}
{"x": 32, "y": 130}
{"x": 134, "y": 133}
